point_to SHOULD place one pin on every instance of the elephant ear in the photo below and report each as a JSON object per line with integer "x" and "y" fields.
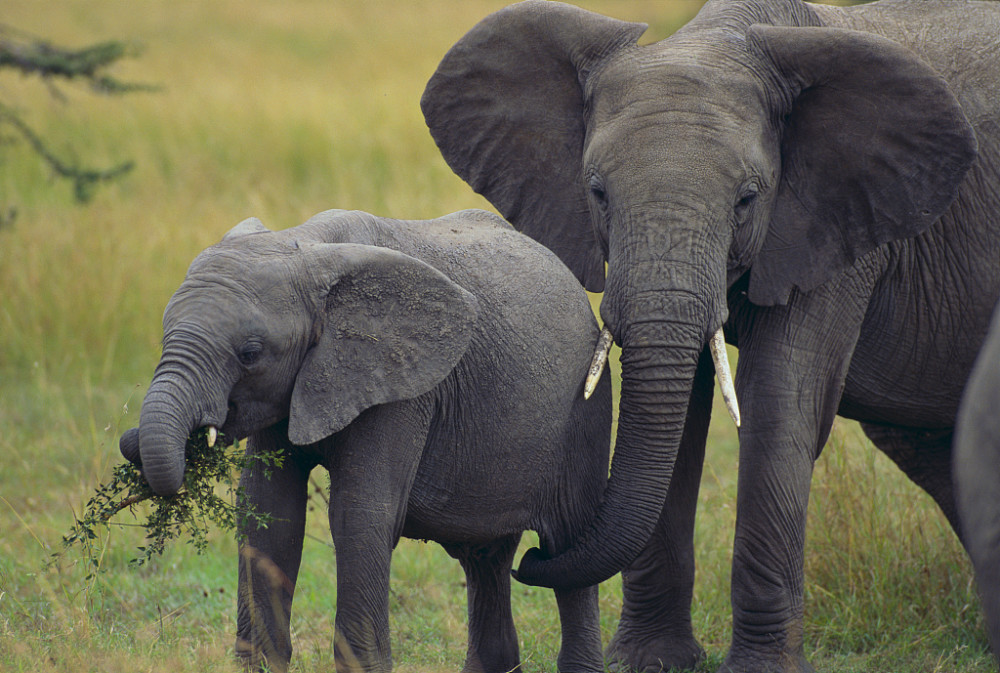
{"x": 874, "y": 147}
{"x": 391, "y": 328}
{"x": 506, "y": 109}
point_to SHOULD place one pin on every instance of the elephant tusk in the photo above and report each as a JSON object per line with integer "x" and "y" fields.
{"x": 722, "y": 371}
{"x": 213, "y": 434}
{"x": 597, "y": 364}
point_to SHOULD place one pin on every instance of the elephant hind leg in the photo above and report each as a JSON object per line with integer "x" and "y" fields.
{"x": 492, "y": 638}
{"x": 580, "y": 619}
{"x": 925, "y": 457}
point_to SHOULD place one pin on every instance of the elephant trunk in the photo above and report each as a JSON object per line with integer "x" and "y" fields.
{"x": 186, "y": 393}
{"x": 659, "y": 359}
{"x": 165, "y": 424}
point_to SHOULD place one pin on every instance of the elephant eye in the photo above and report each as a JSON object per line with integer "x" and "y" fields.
{"x": 744, "y": 204}
{"x": 249, "y": 353}
{"x": 597, "y": 191}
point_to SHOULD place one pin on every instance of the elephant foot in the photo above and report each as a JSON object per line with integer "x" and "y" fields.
{"x": 252, "y": 659}
{"x": 629, "y": 651}
{"x": 744, "y": 662}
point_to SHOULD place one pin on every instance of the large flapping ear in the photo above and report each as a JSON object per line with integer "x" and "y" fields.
{"x": 392, "y": 328}
{"x": 506, "y": 107}
{"x": 874, "y": 147}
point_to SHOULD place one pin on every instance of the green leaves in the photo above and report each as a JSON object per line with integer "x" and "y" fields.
{"x": 188, "y": 515}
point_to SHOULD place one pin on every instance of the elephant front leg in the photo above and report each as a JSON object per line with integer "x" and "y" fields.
{"x": 269, "y": 557}
{"x": 792, "y": 368}
{"x": 767, "y": 575}
{"x": 655, "y": 631}
{"x": 364, "y": 541}
{"x": 371, "y": 475}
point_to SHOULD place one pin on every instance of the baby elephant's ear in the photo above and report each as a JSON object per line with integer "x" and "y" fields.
{"x": 393, "y": 327}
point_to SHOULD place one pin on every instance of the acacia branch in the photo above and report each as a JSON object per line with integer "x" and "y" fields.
{"x": 84, "y": 179}
{"x": 32, "y": 56}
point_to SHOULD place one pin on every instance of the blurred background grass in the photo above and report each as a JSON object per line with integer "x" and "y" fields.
{"x": 280, "y": 110}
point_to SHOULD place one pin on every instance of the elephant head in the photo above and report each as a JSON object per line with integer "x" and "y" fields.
{"x": 265, "y": 328}
{"x": 751, "y": 145}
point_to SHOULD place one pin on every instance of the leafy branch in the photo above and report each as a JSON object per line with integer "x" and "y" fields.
{"x": 84, "y": 179}
{"x": 189, "y": 514}
{"x": 31, "y": 56}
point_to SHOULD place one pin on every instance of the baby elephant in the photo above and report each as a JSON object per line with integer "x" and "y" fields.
{"x": 435, "y": 369}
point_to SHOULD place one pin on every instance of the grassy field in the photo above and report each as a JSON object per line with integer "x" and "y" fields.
{"x": 280, "y": 110}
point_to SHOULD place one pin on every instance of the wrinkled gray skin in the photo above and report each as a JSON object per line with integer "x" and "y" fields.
{"x": 435, "y": 369}
{"x": 822, "y": 181}
{"x": 977, "y": 475}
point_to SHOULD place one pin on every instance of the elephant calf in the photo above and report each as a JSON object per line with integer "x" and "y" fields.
{"x": 435, "y": 369}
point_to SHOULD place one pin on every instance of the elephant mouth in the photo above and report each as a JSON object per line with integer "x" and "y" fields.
{"x": 129, "y": 442}
{"x": 245, "y": 416}
{"x": 717, "y": 346}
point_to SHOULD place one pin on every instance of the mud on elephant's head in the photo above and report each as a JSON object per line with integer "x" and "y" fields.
{"x": 250, "y": 336}
{"x": 751, "y": 145}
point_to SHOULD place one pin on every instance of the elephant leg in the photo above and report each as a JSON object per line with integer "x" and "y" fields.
{"x": 791, "y": 373}
{"x": 493, "y": 644}
{"x": 655, "y": 631}
{"x": 925, "y": 457}
{"x": 580, "y": 619}
{"x": 269, "y": 557}
{"x": 372, "y": 469}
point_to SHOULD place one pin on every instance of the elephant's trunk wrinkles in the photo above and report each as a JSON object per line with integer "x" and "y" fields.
{"x": 657, "y": 375}
{"x": 164, "y": 427}
{"x": 717, "y": 346}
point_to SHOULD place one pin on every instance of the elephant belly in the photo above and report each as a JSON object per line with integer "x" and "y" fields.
{"x": 461, "y": 526}
{"x": 871, "y": 402}
{"x": 462, "y": 497}
{"x": 914, "y": 355}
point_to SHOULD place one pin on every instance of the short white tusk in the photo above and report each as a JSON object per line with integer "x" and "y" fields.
{"x": 718, "y": 347}
{"x": 597, "y": 365}
{"x": 213, "y": 434}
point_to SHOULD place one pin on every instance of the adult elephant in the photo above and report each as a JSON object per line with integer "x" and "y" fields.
{"x": 977, "y": 475}
{"x": 821, "y": 181}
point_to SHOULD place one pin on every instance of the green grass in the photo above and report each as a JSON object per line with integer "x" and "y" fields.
{"x": 280, "y": 110}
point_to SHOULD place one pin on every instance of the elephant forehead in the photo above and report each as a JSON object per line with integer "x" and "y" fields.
{"x": 259, "y": 254}
{"x": 658, "y": 83}
{"x": 199, "y": 308}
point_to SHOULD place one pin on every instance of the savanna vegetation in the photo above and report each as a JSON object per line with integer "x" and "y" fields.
{"x": 280, "y": 110}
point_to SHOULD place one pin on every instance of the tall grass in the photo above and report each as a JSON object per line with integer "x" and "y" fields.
{"x": 280, "y": 110}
